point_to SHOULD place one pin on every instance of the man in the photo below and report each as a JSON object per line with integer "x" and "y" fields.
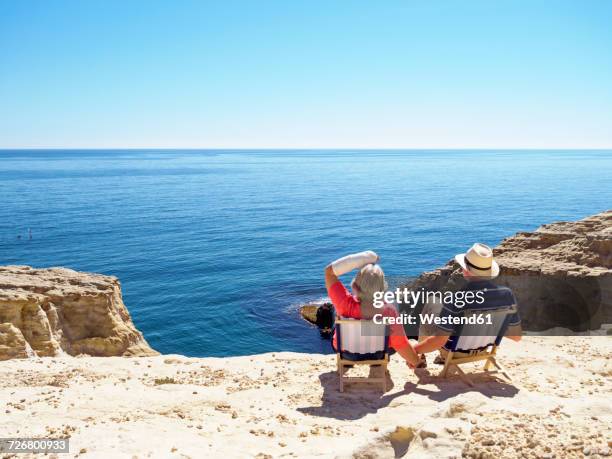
{"x": 479, "y": 268}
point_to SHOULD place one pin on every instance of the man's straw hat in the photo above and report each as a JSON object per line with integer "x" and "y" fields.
{"x": 479, "y": 261}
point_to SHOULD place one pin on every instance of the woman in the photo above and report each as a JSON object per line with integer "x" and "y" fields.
{"x": 369, "y": 280}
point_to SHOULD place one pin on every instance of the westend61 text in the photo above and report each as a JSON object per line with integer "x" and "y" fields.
{"x": 432, "y": 319}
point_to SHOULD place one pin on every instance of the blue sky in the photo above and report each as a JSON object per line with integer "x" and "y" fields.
{"x": 306, "y": 74}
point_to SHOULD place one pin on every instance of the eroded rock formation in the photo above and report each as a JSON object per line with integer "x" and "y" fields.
{"x": 49, "y": 312}
{"x": 561, "y": 274}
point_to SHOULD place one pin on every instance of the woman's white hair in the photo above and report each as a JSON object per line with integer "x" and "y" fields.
{"x": 369, "y": 280}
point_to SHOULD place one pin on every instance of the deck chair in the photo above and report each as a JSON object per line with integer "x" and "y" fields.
{"x": 361, "y": 342}
{"x": 475, "y": 343}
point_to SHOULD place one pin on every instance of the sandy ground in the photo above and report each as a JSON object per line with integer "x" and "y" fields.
{"x": 286, "y": 404}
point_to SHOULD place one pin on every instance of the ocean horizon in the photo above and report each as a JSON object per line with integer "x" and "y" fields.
{"x": 216, "y": 249}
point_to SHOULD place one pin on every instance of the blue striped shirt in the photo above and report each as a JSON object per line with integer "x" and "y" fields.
{"x": 495, "y": 297}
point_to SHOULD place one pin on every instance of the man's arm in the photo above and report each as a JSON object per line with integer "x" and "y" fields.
{"x": 430, "y": 344}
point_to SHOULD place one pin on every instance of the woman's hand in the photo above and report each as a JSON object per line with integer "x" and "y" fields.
{"x": 411, "y": 357}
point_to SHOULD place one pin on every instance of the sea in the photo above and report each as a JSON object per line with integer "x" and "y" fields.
{"x": 217, "y": 249}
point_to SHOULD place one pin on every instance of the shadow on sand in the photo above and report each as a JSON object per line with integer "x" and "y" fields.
{"x": 360, "y": 400}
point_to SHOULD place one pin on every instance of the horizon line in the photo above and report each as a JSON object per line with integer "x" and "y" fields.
{"x": 306, "y": 148}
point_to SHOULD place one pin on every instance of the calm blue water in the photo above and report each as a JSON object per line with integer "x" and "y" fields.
{"x": 216, "y": 249}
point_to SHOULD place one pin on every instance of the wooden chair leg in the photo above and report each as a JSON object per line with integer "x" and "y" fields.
{"x": 463, "y": 376}
{"x": 447, "y": 362}
{"x": 501, "y": 369}
{"x": 340, "y": 372}
{"x": 384, "y": 377}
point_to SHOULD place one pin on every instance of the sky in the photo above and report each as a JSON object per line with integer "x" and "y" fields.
{"x": 305, "y": 74}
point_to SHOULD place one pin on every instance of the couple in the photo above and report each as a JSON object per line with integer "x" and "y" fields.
{"x": 478, "y": 268}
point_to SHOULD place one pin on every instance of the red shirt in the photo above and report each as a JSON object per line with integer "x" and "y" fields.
{"x": 348, "y": 306}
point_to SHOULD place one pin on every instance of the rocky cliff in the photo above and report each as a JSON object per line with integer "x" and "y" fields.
{"x": 56, "y": 311}
{"x": 561, "y": 274}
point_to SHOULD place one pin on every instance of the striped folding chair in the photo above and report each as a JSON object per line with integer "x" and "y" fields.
{"x": 477, "y": 342}
{"x": 361, "y": 342}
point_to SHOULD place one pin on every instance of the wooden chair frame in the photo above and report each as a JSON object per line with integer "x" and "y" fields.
{"x": 343, "y": 363}
{"x": 452, "y": 362}
{"x": 456, "y": 357}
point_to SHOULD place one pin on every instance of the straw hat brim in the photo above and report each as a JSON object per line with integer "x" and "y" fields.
{"x": 493, "y": 272}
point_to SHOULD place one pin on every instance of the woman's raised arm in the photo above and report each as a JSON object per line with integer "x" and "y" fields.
{"x": 346, "y": 264}
{"x": 330, "y": 277}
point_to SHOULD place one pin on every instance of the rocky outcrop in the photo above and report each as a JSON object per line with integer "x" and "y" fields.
{"x": 12, "y": 343}
{"x": 56, "y": 311}
{"x": 561, "y": 274}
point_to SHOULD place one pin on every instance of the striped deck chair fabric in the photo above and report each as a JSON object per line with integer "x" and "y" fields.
{"x": 473, "y": 337}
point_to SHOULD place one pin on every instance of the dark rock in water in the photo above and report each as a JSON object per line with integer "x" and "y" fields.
{"x": 309, "y": 312}
{"x": 321, "y": 315}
